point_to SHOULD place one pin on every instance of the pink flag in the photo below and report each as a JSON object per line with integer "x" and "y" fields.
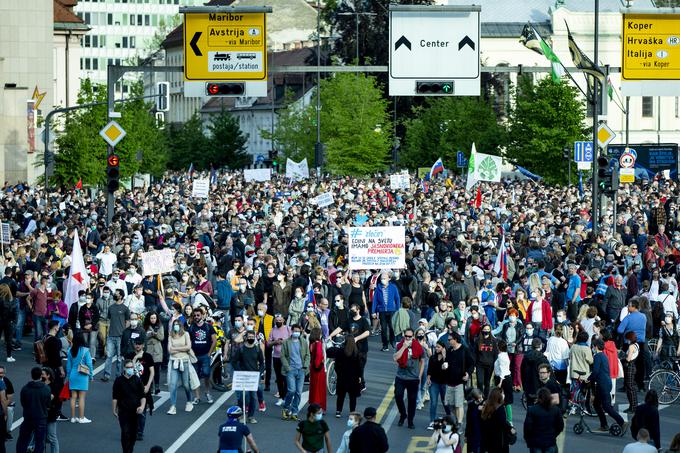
{"x": 77, "y": 277}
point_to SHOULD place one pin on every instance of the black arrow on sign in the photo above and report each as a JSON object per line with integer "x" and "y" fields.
{"x": 194, "y": 45}
{"x": 467, "y": 40}
{"x": 403, "y": 41}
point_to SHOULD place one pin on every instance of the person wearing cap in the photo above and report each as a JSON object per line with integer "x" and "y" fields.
{"x": 369, "y": 437}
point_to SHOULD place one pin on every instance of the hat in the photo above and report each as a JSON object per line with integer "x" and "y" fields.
{"x": 370, "y": 412}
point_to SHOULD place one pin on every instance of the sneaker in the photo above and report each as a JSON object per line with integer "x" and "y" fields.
{"x": 84, "y": 420}
{"x": 401, "y": 421}
{"x": 74, "y": 420}
{"x": 420, "y": 406}
{"x": 601, "y": 429}
{"x": 294, "y": 418}
{"x": 276, "y": 395}
{"x": 285, "y": 415}
{"x": 157, "y": 391}
{"x": 624, "y": 428}
{"x": 62, "y": 418}
{"x": 426, "y": 396}
{"x": 172, "y": 410}
{"x": 431, "y": 426}
{"x": 263, "y": 407}
{"x": 338, "y": 414}
{"x": 196, "y": 401}
{"x": 105, "y": 378}
{"x": 208, "y": 398}
{"x": 385, "y": 349}
{"x": 279, "y": 403}
{"x": 188, "y": 407}
{"x": 411, "y": 426}
{"x": 11, "y": 359}
{"x": 252, "y": 421}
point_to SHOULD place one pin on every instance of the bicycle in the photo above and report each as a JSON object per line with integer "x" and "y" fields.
{"x": 666, "y": 382}
{"x": 331, "y": 376}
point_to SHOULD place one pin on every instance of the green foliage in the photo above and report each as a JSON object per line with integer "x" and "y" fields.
{"x": 295, "y": 132}
{"x": 546, "y": 118}
{"x": 445, "y": 125}
{"x": 81, "y": 152}
{"x": 355, "y": 125}
{"x": 226, "y": 145}
{"x": 186, "y": 142}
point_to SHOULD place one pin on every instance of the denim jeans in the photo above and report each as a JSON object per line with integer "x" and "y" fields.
{"x": 91, "y": 341}
{"x": 251, "y": 402}
{"x": 422, "y": 386}
{"x": 178, "y": 378}
{"x": 113, "y": 353}
{"x": 52, "y": 439}
{"x": 437, "y": 391}
{"x": 39, "y": 327}
{"x": 295, "y": 380}
{"x": 21, "y": 320}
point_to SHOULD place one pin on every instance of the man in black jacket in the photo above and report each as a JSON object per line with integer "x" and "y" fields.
{"x": 35, "y": 401}
{"x": 128, "y": 404}
{"x": 459, "y": 366}
{"x": 529, "y": 370}
{"x": 369, "y": 437}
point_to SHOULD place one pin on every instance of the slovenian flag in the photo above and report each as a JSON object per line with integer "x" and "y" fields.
{"x": 437, "y": 167}
{"x": 500, "y": 268}
{"x": 423, "y": 186}
{"x": 191, "y": 170}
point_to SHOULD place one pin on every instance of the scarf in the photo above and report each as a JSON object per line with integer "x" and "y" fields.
{"x": 416, "y": 352}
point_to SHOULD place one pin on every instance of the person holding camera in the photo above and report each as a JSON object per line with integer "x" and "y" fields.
{"x": 445, "y": 437}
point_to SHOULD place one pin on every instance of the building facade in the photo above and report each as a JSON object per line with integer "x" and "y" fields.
{"x": 69, "y": 30}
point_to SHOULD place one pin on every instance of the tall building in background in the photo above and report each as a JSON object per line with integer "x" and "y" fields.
{"x": 122, "y": 30}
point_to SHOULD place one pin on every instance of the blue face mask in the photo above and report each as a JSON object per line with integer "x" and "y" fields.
{"x": 318, "y": 417}
{"x": 296, "y": 334}
{"x": 350, "y": 423}
{"x": 129, "y": 371}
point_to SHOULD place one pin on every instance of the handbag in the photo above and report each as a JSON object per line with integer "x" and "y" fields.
{"x": 65, "y": 393}
{"x": 620, "y": 375}
{"x": 82, "y": 368}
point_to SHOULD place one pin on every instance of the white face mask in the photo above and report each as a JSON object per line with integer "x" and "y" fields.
{"x": 298, "y": 294}
{"x": 384, "y": 281}
{"x": 560, "y": 319}
{"x": 513, "y": 318}
{"x": 669, "y": 321}
{"x": 260, "y": 313}
{"x": 134, "y": 324}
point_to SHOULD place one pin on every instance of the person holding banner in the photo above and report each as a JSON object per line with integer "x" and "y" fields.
{"x": 386, "y": 301}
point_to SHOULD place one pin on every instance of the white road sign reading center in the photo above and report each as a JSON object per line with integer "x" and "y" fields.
{"x": 434, "y": 43}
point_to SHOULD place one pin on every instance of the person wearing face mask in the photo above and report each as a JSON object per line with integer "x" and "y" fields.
{"x": 115, "y": 283}
{"x": 445, "y": 439}
{"x": 88, "y": 317}
{"x": 386, "y": 301}
{"x": 297, "y": 306}
{"x": 281, "y": 294}
{"x": 119, "y": 317}
{"x": 473, "y": 325}
{"x": 249, "y": 358}
{"x": 103, "y": 303}
{"x": 128, "y": 405}
{"x": 338, "y": 319}
{"x": 353, "y": 422}
{"x": 179, "y": 347}
{"x": 78, "y": 360}
{"x": 512, "y": 331}
{"x": 203, "y": 343}
{"x": 668, "y": 345}
{"x": 295, "y": 360}
{"x": 74, "y": 309}
{"x": 131, "y": 334}
{"x": 313, "y": 432}
{"x": 278, "y": 334}
{"x": 263, "y": 326}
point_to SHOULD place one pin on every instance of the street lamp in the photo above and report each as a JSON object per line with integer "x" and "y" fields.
{"x": 318, "y": 147}
{"x": 356, "y": 13}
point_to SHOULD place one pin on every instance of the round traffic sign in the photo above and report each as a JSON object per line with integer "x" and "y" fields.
{"x": 627, "y": 160}
{"x": 113, "y": 160}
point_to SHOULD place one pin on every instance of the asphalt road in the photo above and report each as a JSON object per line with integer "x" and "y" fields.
{"x": 197, "y": 431}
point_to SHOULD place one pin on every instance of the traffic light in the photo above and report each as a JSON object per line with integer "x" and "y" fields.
{"x": 225, "y": 89}
{"x": 113, "y": 173}
{"x": 275, "y": 158}
{"x": 435, "y": 87}
{"x": 163, "y": 99}
{"x": 604, "y": 174}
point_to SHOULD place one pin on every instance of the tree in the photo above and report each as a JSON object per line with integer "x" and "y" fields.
{"x": 546, "y": 118}
{"x": 355, "y": 125}
{"x": 82, "y": 152}
{"x": 226, "y": 143}
{"x": 295, "y": 132}
{"x": 186, "y": 143}
{"x": 445, "y": 125}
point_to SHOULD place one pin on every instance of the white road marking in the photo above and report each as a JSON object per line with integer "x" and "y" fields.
{"x": 214, "y": 407}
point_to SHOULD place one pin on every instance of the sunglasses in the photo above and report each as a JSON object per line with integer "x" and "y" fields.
{"x": 408, "y": 336}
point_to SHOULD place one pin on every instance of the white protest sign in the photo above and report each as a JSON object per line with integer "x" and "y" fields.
{"x": 323, "y": 200}
{"x": 6, "y": 233}
{"x": 257, "y": 174}
{"x": 158, "y": 262}
{"x": 401, "y": 181}
{"x": 246, "y": 381}
{"x": 201, "y": 188}
{"x": 377, "y": 247}
{"x": 297, "y": 170}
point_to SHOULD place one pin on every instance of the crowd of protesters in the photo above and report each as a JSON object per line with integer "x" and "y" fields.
{"x": 262, "y": 283}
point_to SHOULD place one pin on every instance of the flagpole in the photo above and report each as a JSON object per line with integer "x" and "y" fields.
{"x": 595, "y": 217}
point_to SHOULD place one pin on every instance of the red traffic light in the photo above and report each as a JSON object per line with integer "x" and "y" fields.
{"x": 113, "y": 160}
{"x": 225, "y": 89}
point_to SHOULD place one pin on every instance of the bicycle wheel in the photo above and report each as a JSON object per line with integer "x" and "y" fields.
{"x": 331, "y": 378}
{"x": 667, "y": 386}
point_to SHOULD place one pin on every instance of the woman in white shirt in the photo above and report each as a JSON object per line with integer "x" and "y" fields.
{"x": 557, "y": 353}
{"x": 503, "y": 378}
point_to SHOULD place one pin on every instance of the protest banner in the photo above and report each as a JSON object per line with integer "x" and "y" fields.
{"x": 201, "y": 188}
{"x": 257, "y": 174}
{"x": 377, "y": 248}
{"x": 323, "y": 200}
{"x": 158, "y": 262}
{"x": 400, "y": 181}
{"x": 297, "y": 170}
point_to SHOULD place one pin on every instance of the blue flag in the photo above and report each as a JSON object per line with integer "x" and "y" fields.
{"x": 528, "y": 174}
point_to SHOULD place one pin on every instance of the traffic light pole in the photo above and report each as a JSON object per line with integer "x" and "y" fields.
{"x": 595, "y": 216}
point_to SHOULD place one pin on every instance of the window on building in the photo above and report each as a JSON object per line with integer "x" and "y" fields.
{"x": 95, "y": 64}
{"x": 147, "y": 20}
{"x": 87, "y": 18}
{"x": 87, "y": 63}
{"x": 132, "y": 19}
{"x": 102, "y": 41}
{"x": 88, "y": 41}
{"x": 109, "y": 19}
{"x": 647, "y": 106}
{"x": 125, "y": 89}
{"x": 132, "y": 42}
{"x": 81, "y": 64}
{"x": 109, "y": 62}
{"x": 125, "y": 42}
{"x": 95, "y": 41}
{"x": 154, "y": 20}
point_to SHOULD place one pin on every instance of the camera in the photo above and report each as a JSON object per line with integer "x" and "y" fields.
{"x": 438, "y": 424}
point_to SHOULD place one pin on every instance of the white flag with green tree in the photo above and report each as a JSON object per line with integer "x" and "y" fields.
{"x": 483, "y": 167}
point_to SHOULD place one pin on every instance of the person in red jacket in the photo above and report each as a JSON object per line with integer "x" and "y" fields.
{"x": 540, "y": 313}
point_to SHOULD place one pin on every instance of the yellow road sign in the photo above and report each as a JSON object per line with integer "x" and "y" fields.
{"x": 225, "y": 46}
{"x": 604, "y": 135}
{"x": 112, "y": 133}
{"x": 650, "y": 47}
{"x": 626, "y": 175}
